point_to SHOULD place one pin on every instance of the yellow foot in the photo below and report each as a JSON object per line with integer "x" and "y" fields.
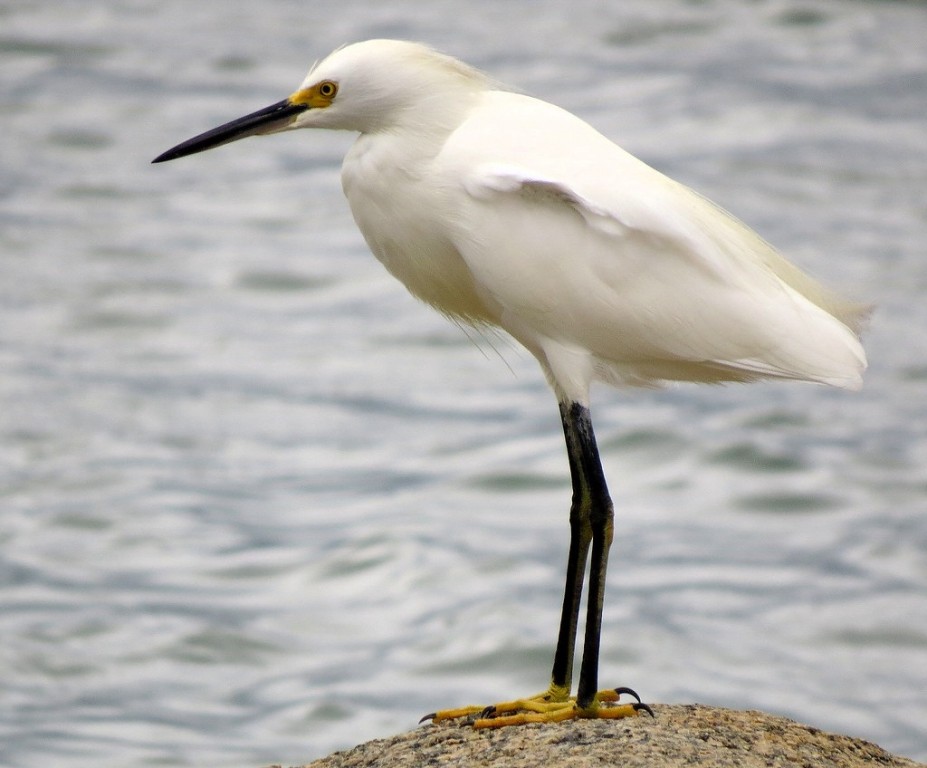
{"x": 550, "y": 707}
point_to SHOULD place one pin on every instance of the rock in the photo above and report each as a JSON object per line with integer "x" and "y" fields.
{"x": 680, "y": 735}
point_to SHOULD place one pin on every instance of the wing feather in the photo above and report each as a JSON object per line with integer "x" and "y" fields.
{"x": 654, "y": 280}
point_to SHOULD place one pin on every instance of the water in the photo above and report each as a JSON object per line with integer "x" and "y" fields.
{"x": 257, "y": 504}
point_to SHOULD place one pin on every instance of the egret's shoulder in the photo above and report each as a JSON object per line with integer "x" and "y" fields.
{"x": 515, "y": 144}
{"x": 524, "y": 121}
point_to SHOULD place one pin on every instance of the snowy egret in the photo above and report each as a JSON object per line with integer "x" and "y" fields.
{"x": 502, "y": 210}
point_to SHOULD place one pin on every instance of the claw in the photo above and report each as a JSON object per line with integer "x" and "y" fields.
{"x": 639, "y": 706}
{"x": 629, "y": 691}
{"x": 488, "y": 712}
{"x": 432, "y": 716}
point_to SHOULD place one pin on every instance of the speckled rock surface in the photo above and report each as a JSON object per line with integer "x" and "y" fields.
{"x": 680, "y": 735}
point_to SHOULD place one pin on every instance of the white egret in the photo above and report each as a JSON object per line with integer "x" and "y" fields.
{"x": 502, "y": 210}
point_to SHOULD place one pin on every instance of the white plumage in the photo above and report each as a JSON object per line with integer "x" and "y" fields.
{"x": 503, "y": 210}
{"x": 507, "y": 210}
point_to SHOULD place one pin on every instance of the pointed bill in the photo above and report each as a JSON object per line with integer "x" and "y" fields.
{"x": 276, "y": 117}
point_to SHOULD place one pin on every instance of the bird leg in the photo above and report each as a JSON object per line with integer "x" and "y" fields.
{"x": 591, "y": 524}
{"x": 580, "y": 539}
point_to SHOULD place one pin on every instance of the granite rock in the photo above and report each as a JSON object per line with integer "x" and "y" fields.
{"x": 679, "y": 735}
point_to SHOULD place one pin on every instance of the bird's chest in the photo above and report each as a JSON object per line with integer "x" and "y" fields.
{"x": 403, "y": 213}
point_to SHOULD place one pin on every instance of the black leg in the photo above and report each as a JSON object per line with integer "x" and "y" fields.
{"x": 590, "y": 522}
{"x": 580, "y": 538}
{"x": 591, "y": 528}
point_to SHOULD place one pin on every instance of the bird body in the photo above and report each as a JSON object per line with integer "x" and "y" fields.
{"x": 499, "y": 209}
{"x": 510, "y": 211}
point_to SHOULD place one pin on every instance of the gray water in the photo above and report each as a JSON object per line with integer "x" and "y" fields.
{"x": 257, "y": 504}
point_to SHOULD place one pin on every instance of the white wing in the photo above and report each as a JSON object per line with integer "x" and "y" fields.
{"x": 591, "y": 249}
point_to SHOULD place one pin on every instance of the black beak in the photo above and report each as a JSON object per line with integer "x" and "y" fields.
{"x": 276, "y": 117}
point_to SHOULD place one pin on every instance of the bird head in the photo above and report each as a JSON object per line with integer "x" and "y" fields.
{"x": 370, "y": 86}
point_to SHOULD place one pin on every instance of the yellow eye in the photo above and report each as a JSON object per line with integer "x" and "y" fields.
{"x": 316, "y": 96}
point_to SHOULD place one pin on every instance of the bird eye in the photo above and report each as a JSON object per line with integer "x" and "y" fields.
{"x": 327, "y": 89}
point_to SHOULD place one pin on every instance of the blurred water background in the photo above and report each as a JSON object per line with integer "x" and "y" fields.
{"x": 256, "y": 503}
